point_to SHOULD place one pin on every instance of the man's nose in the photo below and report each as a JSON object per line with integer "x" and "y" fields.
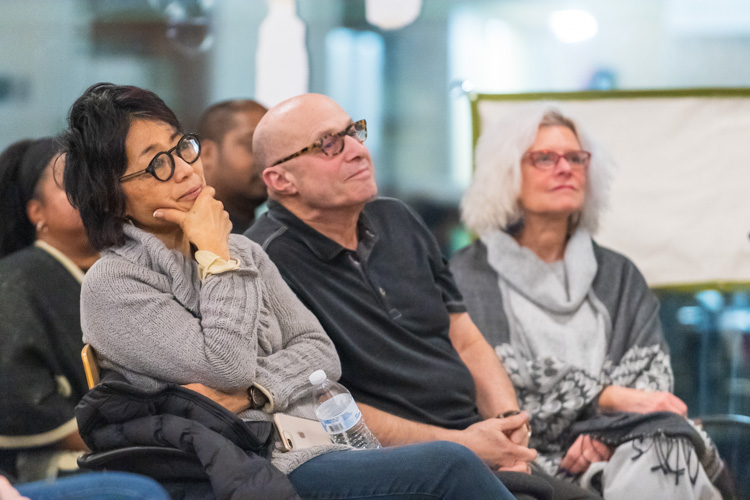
{"x": 353, "y": 145}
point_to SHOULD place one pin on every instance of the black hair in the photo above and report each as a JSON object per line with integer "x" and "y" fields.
{"x": 98, "y": 125}
{"x": 218, "y": 119}
{"x": 22, "y": 165}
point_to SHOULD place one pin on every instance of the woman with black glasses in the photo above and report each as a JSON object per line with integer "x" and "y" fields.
{"x": 176, "y": 299}
{"x": 574, "y": 324}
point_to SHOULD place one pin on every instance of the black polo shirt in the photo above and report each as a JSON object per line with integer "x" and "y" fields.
{"x": 386, "y": 307}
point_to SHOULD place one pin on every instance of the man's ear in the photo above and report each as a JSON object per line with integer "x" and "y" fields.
{"x": 280, "y": 181}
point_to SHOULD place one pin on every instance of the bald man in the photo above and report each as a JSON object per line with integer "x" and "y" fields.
{"x": 226, "y": 130}
{"x": 372, "y": 273}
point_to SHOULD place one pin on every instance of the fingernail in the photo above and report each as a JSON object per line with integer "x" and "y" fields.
{"x": 158, "y": 214}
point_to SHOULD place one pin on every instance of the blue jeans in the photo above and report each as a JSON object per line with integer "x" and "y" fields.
{"x": 95, "y": 485}
{"x": 437, "y": 470}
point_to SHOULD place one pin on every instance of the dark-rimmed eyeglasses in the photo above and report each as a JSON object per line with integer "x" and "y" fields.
{"x": 332, "y": 144}
{"x": 188, "y": 148}
{"x": 545, "y": 160}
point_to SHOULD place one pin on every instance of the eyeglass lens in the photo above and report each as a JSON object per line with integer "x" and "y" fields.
{"x": 332, "y": 145}
{"x": 188, "y": 149}
{"x": 548, "y": 159}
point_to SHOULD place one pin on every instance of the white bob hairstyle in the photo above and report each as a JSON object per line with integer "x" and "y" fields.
{"x": 491, "y": 201}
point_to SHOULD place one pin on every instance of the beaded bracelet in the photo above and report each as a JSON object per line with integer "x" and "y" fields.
{"x": 509, "y": 413}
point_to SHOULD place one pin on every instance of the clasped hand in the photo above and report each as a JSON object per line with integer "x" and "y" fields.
{"x": 501, "y": 442}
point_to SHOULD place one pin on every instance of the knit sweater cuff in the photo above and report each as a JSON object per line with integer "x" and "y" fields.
{"x": 269, "y": 406}
{"x": 210, "y": 263}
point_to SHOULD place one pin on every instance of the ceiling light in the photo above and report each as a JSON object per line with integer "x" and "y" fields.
{"x": 571, "y": 26}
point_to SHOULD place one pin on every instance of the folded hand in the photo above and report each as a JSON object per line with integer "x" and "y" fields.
{"x": 638, "y": 401}
{"x": 584, "y": 451}
{"x": 492, "y": 440}
{"x": 235, "y": 402}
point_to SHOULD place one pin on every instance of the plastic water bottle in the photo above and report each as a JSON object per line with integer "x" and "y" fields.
{"x": 339, "y": 413}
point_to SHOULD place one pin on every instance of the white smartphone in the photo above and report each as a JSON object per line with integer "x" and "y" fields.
{"x": 298, "y": 433}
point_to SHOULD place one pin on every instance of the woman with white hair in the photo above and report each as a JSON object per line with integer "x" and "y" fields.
{"x": 574, "y": 324}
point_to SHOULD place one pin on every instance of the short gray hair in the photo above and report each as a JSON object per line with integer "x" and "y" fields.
{"x": 491, "y": 201}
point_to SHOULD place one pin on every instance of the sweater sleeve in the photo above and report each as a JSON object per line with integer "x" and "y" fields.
{"x": 138, "y": 326}
{"x": 305, "y": 345}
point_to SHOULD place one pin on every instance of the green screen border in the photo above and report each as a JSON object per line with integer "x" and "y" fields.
{"x": 720, "y": 286}
{"x": 476, "y": 97}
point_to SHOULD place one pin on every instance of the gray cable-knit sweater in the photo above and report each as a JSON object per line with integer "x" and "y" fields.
{"x": 150, "y": 318}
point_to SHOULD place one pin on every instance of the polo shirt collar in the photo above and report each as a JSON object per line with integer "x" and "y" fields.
{"x": 322, "y": 246}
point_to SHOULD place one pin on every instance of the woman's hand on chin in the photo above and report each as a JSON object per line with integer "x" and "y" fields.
{"x": 616, "y": 398}
{"x": 206, "y": 225}
{"x": 235, "y": 402}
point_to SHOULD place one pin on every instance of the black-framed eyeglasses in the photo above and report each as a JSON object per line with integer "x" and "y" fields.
{"x": 162, "y": 166}
{"x": 545, "y": 160}
{"x": 333, "y": 144}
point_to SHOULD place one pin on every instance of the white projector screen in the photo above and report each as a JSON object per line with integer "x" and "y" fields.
{"x": 679, "y": 205}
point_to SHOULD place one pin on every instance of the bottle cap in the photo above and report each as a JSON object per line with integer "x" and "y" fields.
{"x": 317, "y": 377}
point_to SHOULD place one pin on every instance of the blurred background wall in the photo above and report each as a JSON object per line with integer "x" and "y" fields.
{"x": 409, "y": 83}
{"x": 406, "y": 81}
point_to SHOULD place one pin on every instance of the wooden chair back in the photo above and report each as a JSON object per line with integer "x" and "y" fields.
{"x": 90, "y": 365}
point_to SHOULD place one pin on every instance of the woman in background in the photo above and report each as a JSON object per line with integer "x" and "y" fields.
{"x": 45, "y": 253}
{"x": 574, "y": 323}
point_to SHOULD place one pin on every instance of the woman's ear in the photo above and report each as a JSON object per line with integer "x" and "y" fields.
{"x": 35, "y": 212}
{"x": 280, "y": 181}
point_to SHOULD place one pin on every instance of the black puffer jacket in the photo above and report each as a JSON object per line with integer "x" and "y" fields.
{"x": 232, "y": 452}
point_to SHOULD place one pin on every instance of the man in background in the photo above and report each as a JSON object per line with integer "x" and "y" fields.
{"x": 226, "y": 130}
